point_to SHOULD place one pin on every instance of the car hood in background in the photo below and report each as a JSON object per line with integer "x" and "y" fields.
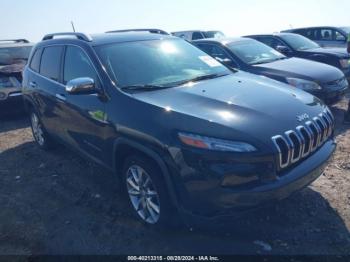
{"x": 340, "y": 52}
{"x": 12, "y": 69}
{"x": 301, "y": 68}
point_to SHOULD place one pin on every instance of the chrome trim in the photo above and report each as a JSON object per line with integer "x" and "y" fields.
{"x": 15, "y": 94}
{"x": 293, "y": 148}
{"x": 304, "y": 139}
{"x": 274, "y": 140}
{"x": 314, "y": 132}
{"x": 324, "y": 130}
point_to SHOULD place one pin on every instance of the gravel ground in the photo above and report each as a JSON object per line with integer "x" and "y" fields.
{"x": 58, "y": 203}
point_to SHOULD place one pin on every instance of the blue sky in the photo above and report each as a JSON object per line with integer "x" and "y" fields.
{"x": 34, "y": 18}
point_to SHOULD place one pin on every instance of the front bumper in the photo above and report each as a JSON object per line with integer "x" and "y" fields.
{"x": 210, "y": 198}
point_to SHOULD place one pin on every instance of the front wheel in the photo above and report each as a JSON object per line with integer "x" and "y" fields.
{"x": 146, "y": 191}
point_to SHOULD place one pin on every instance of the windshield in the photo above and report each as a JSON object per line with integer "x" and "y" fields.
{"x": 346, "y": 29}
{"x": 253, "y": 52}
{"x": 214, "y": 34}
{"x": 13, "y": 55}
{"x": 157, "y": 62}
{"x": 299, "y": 42}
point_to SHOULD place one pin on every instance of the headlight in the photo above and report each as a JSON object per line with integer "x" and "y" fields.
{"x": 345, "y": 63}
{"x": 303, "y": 84}
{"x": 215, "y": 144}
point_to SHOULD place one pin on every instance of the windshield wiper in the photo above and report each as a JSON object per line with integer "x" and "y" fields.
{"x": 143, "y": 87}
{"x": 200, "y": 78}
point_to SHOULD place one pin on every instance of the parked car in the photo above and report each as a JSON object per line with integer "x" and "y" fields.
{"x": 13, "y": 57}
{"x": 197, "y": 34}
{"x": 183, "y": 133}
{"x": 324, "y": 81}
{"x": 325, "y": 36}
{"x": 294, "y": 45}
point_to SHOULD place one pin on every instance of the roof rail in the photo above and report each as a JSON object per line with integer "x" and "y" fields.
{"x": 80, "y": 36}
{"x": 150, "y": 30}
{"x": 15, "y": 40}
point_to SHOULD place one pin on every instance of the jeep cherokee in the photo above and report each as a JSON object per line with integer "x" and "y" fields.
{"x": 182, "y": 132}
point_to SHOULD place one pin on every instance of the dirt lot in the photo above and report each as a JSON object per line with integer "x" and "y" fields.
{"x": 58, "y": 203}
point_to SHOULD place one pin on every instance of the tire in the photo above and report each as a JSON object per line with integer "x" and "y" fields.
{"x": 41, "y": 137}
{"x": 146, "y": 191}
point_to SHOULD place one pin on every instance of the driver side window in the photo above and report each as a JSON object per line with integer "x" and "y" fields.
{"x": 77, "y": 64}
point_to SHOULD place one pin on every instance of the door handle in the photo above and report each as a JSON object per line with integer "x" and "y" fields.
{"x": 32, "y": 84}
{"x": 60, "y": 97}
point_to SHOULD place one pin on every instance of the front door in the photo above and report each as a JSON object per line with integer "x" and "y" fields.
{"x": 82, "y": 115}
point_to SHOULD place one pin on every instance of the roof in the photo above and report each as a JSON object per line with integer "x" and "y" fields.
{"x": 274, "y": 34}
{"x": 101, "y": 39}
{"x": 10, "y": 45}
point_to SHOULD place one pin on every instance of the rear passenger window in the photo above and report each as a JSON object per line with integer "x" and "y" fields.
{"x": 35, "y": 63}
{"x": 77, "y": 64}
{"x": 50, "y": 62}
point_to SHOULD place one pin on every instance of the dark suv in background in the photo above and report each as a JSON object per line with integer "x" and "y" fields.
{"x": 182, "y": 132}
{"x": 13, "y": 57}
{"x": 324, "y": 81}
{"x": 325, "y": 36}
{"x": 294, "y": 45}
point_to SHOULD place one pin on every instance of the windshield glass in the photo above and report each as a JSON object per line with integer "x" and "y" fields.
{"x": 13, "y": 55}
{"x": 299, "y": 42}
{"x": 214, "y": 34}
{"x": 157, "y": 62}
{"x": 253, "y": 52}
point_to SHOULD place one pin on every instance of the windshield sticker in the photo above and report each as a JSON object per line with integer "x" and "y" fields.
{"x": 209, "y": 61}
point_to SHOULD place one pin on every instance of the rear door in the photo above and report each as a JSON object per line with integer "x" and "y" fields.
{"x": 43, "y": 82}
{"x": 82, "y": 115}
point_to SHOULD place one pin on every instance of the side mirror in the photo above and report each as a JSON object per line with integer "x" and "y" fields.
{"x": 81, "y": 85}
{"x": 225, "y": 61}
{"x": 283, "y": 49}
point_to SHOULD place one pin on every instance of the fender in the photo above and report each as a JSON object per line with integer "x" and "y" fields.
{"x": 155, "y": 156}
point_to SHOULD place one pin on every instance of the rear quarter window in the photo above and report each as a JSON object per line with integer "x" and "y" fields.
{"x": 51, "y": 62}
{"x": 35, "y": 63}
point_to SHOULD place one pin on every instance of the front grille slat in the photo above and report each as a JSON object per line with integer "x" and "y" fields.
{"x": 297, "y": 144}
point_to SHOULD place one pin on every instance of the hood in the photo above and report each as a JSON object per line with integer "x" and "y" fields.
{"x": 301, "y": 68}
{"x": 339, "y": 52}
{"x": 13, "y": 68}
{"x": 246, "y": 103}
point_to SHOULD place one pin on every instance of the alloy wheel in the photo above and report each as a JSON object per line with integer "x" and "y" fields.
{"x": 143, "y": 194}
{"x": 38, "y": 132}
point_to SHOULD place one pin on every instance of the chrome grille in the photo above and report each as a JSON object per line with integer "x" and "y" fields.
{"x": 297, "y": 144}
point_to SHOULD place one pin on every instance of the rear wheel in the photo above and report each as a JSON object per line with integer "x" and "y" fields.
{"x": 146, "y": 191}
{"x": 40, "y": 135}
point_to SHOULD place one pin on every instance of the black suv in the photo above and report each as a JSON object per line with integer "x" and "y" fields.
{"x": 13, "y": 57}
{"x": 181, "y": 131}
{"x": 293, "y": 45}
{"x": 326, "y": 82}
